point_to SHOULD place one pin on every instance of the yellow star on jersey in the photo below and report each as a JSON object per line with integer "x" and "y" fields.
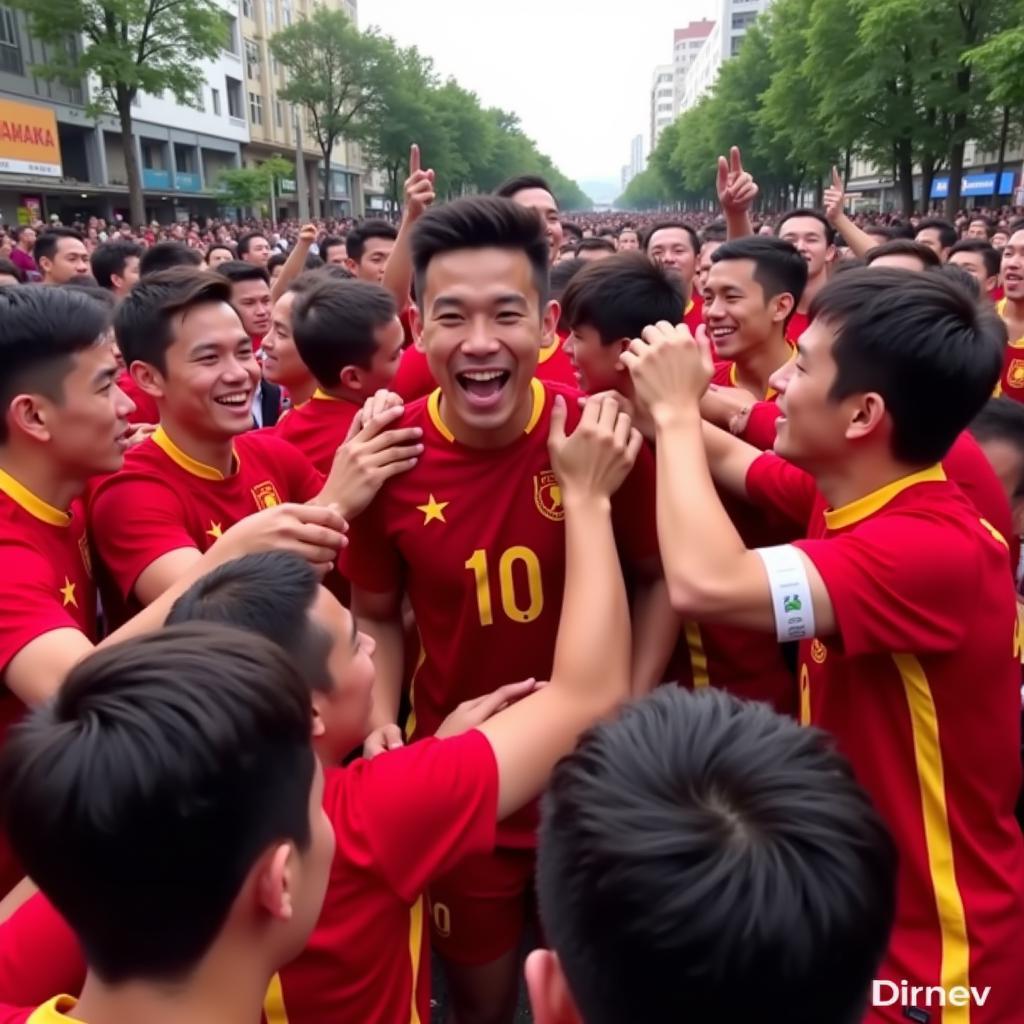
{"x": 433, "y": 510}
{"x": 68, "y": 593}
{"x": 215, "y": 530}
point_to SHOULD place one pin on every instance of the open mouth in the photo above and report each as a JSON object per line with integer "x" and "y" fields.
{"x": 236, "y": 401}
{"x": 483, "y": 388}
{"x": 720, "y": 334}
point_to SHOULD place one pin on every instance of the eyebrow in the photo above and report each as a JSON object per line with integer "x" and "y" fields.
{"x": 450, "y": 302}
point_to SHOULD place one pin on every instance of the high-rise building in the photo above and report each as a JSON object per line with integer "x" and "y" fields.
{"x": 662, "y": 100}
{"x": 636, "y": 156}
{"x": 686, "y": 44}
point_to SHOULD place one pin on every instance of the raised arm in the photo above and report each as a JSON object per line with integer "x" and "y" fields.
{"x": 859, "y": 242}
{"x": 296, "y": 262}
{"x": 737, "y": 191}
{"x": 419, "y": 194}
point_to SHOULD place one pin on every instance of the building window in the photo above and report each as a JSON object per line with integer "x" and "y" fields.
{"x": 286, "y": 12}
{"x": 10, "y": 46}
{"x": 198, "y": 101}
{"x": 743, "y": 19}
{"x": 234, "y": 90}
{"x": 271, "y": 14}
{"x": 278, "y": 114}
{"x": 215, "y": 101}
{"x": 252, "y": 59}
{"x": 247, "y": 9}
{"x": 231, "y": 42}
{"x": 255, "y": 108}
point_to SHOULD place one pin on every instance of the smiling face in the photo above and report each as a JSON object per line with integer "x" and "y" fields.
{"x": 673, "y": 248}
{"x": 251, "y": 300}
{"x": 1012, "y": 267}
{"x": 597, "y": 365}
{"x": 810, "y": 238}
{"x": 740, "y": 319}
{"x": 481, "y": 328}
{"x": 543, "y": 202}
{"x": 282, "y": 363}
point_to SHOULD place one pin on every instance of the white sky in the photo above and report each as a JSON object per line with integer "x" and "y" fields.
{"x": 577, "y": 72}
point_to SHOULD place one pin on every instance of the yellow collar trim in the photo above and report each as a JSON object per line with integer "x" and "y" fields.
{"x": 1001, "y": 306}
{"x": 547, "y": 352}
{"x": 847, "y": 515}
{"x": 434, "y": 410}
{"x": 31, "y": 503}
{"x": 689, "y": 306}
{"x": 324, "y": 397}
{"x": 770, "y": 393}
{"x": 54, "y": 1010}
{"x": 187, "y": 463}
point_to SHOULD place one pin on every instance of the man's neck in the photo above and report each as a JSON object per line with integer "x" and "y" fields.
{"x": 755, "y": 367}
{"x": 860, "y": 475}
{"x": 302, "y": 393}
{"x": 1013, "y": 311}
{"x": 486, "y": 439}
{"x": 344, "y": 394}
{"x": 813, "y": 286}
{"x": 38, "y": 475}
{"x": 215, "y": 452}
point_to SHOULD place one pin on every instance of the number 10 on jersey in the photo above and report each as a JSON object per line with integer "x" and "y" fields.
{"x": 514, "y": 563}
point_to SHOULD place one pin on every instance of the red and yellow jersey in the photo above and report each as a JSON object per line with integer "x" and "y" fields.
{"x": 163, "y": 500}
{"x": 318, "y": 427}
{"x": 693, "y": 315}
{"x": 146, "y": 410}
{"x": 476, "y": 538}
{"x": 921, "y": 689}
{"x": 797, "y": 324}
{"x": 46, "y": 585}
{"x": 1011, "y": 380}
{"x": 57, "y": 1010}
{"x": 40, "y": 955}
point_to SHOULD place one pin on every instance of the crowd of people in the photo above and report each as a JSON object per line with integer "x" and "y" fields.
{"x": 635, "y": 594}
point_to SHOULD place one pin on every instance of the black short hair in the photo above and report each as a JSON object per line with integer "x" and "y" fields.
{"x": 329, "y": 242}
{"x": 511, "y": 187}
{"x": 988, "y": 253}
{"x": 356, "y": 239}
{"x": 620, "y": 296}
{"x": 879, "y": 231}
{"x": 778, "y": 267}
{"x": 947, "y": 232}
{"x": 270, "y": 594}
{"x": 965, "y": 279}
{"x": 716, "y": 231}
{"x": 48, "y": 240}
{"x": 110, "y": 258}
{"x": 596, "y": 243}
{"x": 140, "y": 797}
{"x": 980, "y": 218}
{"x": 334, "y": 323}
{"x": 702, "y": 858}
{"x": 219, "y": 245}
{"x": 562, "y": 273}
{"x": 608, "y": 232}
{"x": 165, "y": 255}
{"x": 922, "y": 343}
{"x": 42, "y": 329}
{"x": 87, "y": 286}
{"x": 661, "y": 225}
{"x": 802, "y": 211}
{"x": 236, "y": 271}
{"x": 568, "y": 228}
{"x": 314, "y": 262}
{"x": 904, "y": 247}
{"x": 1002, "y": 419}
{"x": 12, "y": 270}
{"x": 277, "y": 259}
{"x": 142, "y": 322}
{"x": 245, "y": 242}
{"x": 481, "y": 222}
{"x": 19, "y": 229}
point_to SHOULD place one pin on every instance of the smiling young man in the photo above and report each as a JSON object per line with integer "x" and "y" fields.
{"x": 1011, "y": 309}
{"x": 898, "y": 595}
{"x": 814, "y": 238}
{"x": 203, "y": 470}
{"x": 282, "y": 364}
{"x": 485, "y": 589}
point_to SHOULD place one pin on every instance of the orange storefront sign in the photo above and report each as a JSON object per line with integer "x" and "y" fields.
{"x": 28, "y": 140}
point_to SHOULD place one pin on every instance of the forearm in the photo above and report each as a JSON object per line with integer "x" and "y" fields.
{"x": 398, "y": 269}
{"x": 389, "y": 664}
{"x": 859, "y": 242}
{"x": 655, "y": 632}
{"x": 737, "y": 224}
{"x": 293, "y": 266}
{"x": 728, "y": 459}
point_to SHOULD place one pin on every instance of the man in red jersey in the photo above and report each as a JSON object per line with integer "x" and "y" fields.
{"x": 349, "y": 335}
{"x": 64, "y": 423}
{"x": 483, "y": 586}
{"x": 898, "y": 595}
{"x": 674, "y": 245}
{"x": 402, "y": 819}
{"x": 1011, "y": 309}
{"x": 814, "y": 238}
{"x": 282, "y": 364}
{"x": 981, "y": 261}
{"x": 202, "y": 470}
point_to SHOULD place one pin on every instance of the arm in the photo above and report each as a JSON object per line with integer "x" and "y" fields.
{"x": 419, "y": 194}
{"x": 380, "y": 616}
{"x": 728, "y": 459}
{"x": 590, "y": 676}
{"x": 860, "y": 243}
{"x": 737, "y": 191}
{"x": 655, "y": 634}
{"x": 296, "y": 262}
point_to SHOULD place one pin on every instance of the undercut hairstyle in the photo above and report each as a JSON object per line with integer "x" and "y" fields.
{"x": 219, "y": 245}
{"x": 598, "y": 243}
{"x": 110, "y": 258}
{"x": 245, "y": 242}
{"x": 661, "y": 225}
{"x": 947, "y": 232}
{"x": 356, "y": 239}
{"x": 1002, "y": 419}
{"x": 905, "y": 247}
{"x": 511, "y": 187}
{"x": 778, "y": 267}
{"x": 988, "y": 253}
{"x": 964, "y": 278}
{"x": 141, "y": 796}
{"x": 716, "y": 231}
{"x": 165, "y": 255}
{"x": 334, "y": 324}
{"x": 830, "y": 232}
{"x": 572, "y": 231}
{"x": 12, "y": 270}
{"x": 329, "y": 243}
{"x": 48, "y": 240}
{"x": 43, "y": 328}
{"x": 272, "y": 595}
{"x": 143, "y": 321}
{"x": 702, "y": 858}
{"x": 561, "y": 274}
{"x": 481, "y": 222}
{"x": 236, "y": 271}
{"x": 620, "y": 296}
{"x": 879, "y": 231}
{"x": 922, "y": 343}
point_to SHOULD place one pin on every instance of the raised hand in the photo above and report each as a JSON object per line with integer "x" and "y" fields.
{"x": 835, "y": 198}
{"x": 419, "y": 186}
{"x": 670, "y": 368}
{"x": 736, "y": 187}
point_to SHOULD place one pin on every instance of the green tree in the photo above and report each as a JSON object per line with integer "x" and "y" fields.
{"x": 249, "y": 187}
{"x": 127, "y": 47}
{"x": 644, "y": 192}
{"x": 338, "y": 74}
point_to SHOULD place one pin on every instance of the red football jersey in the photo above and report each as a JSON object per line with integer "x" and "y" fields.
{"x": 921, "y": 689}
{"x": 1011, "y": 380}
{"x": 693, "y": 316}
{"x": 476, "y": 539}
{"x": 318, "y": 427}
{"x": 40, "y": 956}
{"x": 46, "y": 585}
{"x": 163, "y": 500}
{"x": 798, "y": 323}
{"x": 145, "y": 407}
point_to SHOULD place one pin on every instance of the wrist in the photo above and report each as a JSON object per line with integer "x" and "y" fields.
{"x": 583, "y": 502}
{"x": 675, "y": 414}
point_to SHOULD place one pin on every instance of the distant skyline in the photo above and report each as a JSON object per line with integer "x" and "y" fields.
{"x": 580, "y": 82}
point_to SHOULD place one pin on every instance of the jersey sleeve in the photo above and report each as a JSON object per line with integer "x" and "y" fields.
{"x": 29, "y": 601}
{"x": 40, "y": 957}
{"x": 778, "y": 485}
{"x": 157, "y": 526}
{"x": 305, "y": 481}
{"x": 897, "y": 583}
{"x": 419, "y": 810}
{"x": 413, "y": 378}
{"x": 370, "y": 560}
{"x": 761, "y": 425}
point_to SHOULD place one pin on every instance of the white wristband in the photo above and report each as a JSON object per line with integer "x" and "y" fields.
{"x": 791, "y": 592}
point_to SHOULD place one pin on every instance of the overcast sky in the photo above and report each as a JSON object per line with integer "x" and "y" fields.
{"x": 578, "y": 78}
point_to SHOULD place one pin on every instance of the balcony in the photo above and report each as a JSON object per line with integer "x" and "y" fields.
{"x": 185, "y": 181}
{"x": 155, "y": 179}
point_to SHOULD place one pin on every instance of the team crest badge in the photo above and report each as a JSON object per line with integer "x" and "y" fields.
{"x": 1015, "y": 373}
{"x": 819, "y": 652}
{"x": 265, "y": 495}
{"x": 547, "y": 494}
{"x": 83, "y": 548}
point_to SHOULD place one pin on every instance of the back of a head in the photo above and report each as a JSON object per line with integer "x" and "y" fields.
{"x": 110, "y": 258}
{"x": 562, "y": 273}
{"x": 922, "y": 343}
{"x": 599, "y": 243}
{"x": 570, "y": 229}
{"x": 480, "y": 222}
{"x": 236, "y": 271}
{"x": 130, "y": 798}
{"x": 9, "y": 269}
{"x": 716, "y": 231}
{"x": 620, "y": 296}
{"x": 165, "y": 255}
{"x": 704, "y": 859}
{"x": 356, "y": 239}
{"x": 778, "y": 267}
{"x": 904, "y": 247}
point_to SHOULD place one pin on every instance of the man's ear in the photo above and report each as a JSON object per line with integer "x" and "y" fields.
{"x": 416, "y": 326}
{"x": 550, "y": 999}
{"x": 274, "y": 881}
{"x": 148, "y": 378}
